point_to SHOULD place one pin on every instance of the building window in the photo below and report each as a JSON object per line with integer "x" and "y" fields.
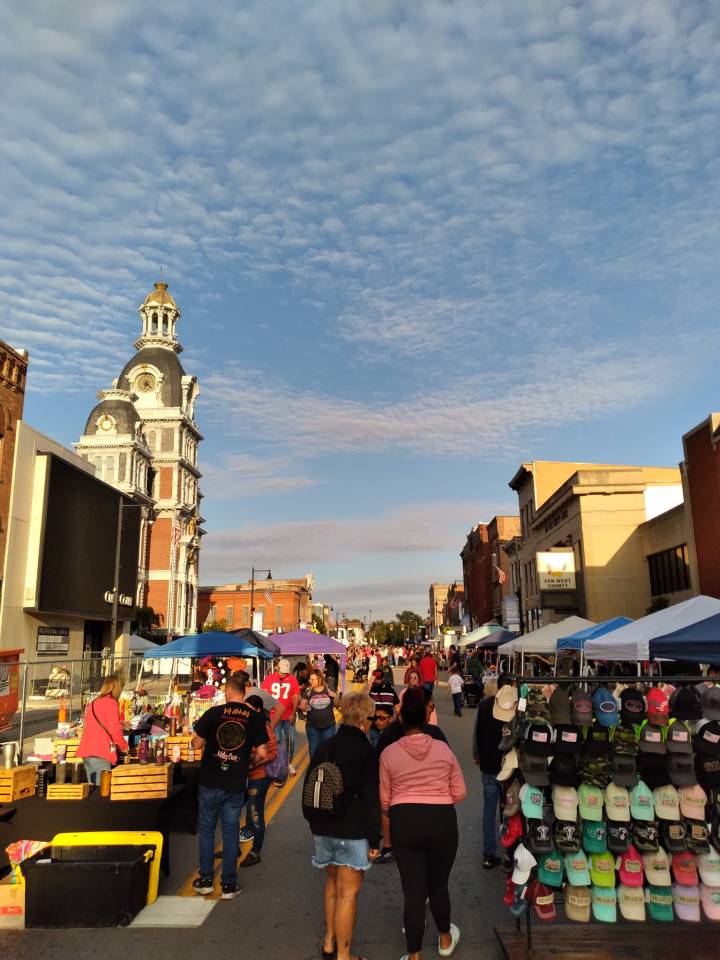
{"x": 213, "y": 613}
{"x": 669, "y": 570}
{"x": 245, "y": 615}
{"x": 229, "y": 616}
{"x": 278, "y": 615}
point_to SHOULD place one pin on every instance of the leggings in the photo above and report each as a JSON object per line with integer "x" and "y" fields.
{"x": 424, "y": 842}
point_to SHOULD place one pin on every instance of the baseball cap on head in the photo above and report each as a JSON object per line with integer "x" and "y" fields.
{"x": 511, "y": 830}
{"x": 660, "y": 903}
{"x": 538, "y": 739}
{"x": 509, "y": 765}
{"x": 524, "y": 862}
{"x": 641, "y": 802}
{"x": 531, "y": 802}
{"x": 590, "y": 801}
{"x": 618, "y": 837}
{"x": 581, "y": 708}
{"x": 681, "y": 769}
{"x": 543, "y": 901}
{"x": 631, "y": 868}
{"x": 564, "y": 770}
{"x": 594, "y": 837}
{"x": 678, "y": 738}
{"x": 673, "y": 836}
{"x": 693, "y": 801}
{"x": 685, "y": 704}
{"x": 707, "y": 738}
{"x": 551, "y": 869}
{"x": 684, "y": 869}
{"x": 667, "y": 803}
{"x": 617, "y": 803}
{"x": 505, "y": 703}
{"x": 658, "y": 706}
{"x": 687, "y": 902}
{"x": 283, "y": 666}
{"x": 567, "y": 836}
{"x": 605, "y": 707}
{"x": 565, "y": 803}
{"x": 631, "y": 901}
{"x": 510, "y": 801}
{"x": 377, "y": 675}
{"x": 624, "y": 771}
{"x": 534, "y": 770}
{"x": 577, "y": 903}
{"x": 576, "y": 869}
{"x": 632, "y": 706}
{"x": 568, "y": 739}
{"x": 708, "y": 865}
{"x": 710, "y": 899}
{"x": 604, "y": 904}
{"x": 602, "y": 869}
{"x": 710, "y": 703}
{"x": 560, "y": 706}
{"x": 539, "y": 837}
{"x": 657, "y": 868}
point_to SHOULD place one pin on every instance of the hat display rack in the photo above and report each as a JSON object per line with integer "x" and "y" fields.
{"x": 610, "y": 803}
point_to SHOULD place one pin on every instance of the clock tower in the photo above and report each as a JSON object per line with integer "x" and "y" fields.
{"x": 143, "y": 439}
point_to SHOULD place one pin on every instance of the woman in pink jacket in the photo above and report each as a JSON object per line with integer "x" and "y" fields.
{"x": 420, "y": 782}
{"x": 102, "y": 734}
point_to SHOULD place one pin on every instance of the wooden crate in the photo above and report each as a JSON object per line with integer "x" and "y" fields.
{"x": 17, "y": 783}
{"x": 184, "y": 742}
{"x": 71, "y": 748}
{"x": 136, "y": 781}
{"x": 68, "y": 791}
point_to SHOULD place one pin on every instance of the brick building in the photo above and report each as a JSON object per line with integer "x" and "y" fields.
{"x": 280, "y": 605}
{"x": 478, "y": 576}
{"x": 13, "y": 373}
{"x": 701, "y": 483}
{"x": 501, "y": 531}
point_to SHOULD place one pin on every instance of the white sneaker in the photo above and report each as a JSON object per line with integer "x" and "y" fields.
{"x": 454, "y": 941}
{"x": 291, "y": 770}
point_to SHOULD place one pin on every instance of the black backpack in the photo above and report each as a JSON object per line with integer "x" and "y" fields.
{"x": 323, "y": 791}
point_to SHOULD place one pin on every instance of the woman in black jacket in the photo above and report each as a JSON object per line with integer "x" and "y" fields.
{"x": 346, "y": 842}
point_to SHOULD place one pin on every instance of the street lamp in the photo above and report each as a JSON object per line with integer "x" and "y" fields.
{"x": 122, "y": 506}
{"x": 252, "y": 592}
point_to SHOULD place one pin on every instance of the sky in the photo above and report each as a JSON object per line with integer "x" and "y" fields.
{"x": 414, "y": 244}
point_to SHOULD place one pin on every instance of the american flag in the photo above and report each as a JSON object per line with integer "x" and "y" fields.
{"x": 176, "y": 533}
{"x": 267, "y": 595}
{"x": 501, "y": 575}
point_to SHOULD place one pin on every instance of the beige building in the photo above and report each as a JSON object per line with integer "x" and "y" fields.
{"x": 437, "y": 599}
{"x": 596, "y": 519}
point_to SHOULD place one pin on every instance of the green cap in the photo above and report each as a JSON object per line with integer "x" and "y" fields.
{"x": 604, "y": 904}
{"x": 594, "y": 837}
{"x": 660, "y": 903}
{"x": 550, "y": 869}
{"x": 602, "y": 869}
{"x": 590, "y": 800}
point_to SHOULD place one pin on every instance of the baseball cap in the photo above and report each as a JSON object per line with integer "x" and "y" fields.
{"x": 531, "y": 802}
{"x": 708, "y": 865}
{"x": 618, "y": 837}
{"x": 597, "y": 740}
{"x": 581, "y": 708}
{"x": 537, "y": 704}
{"x": 641, "y": 802}
{"x": 707, "y": 737}
{"x": 624, "y": 771}
{"x": 617, "y": 803}
{"x": 651, "y": 767}
{"x": 377, "y": 674}
{"x": 657, "y": 868}
{"x": 645, "y": 835}
{"x": 687, "y": 902}
{"x": 631, "y": 868}
{"x": 534, "y": 770}
{"x": 710, "y": 899}
{"x": 543, "y": 900}
{"x": 651, "y": 739}
{"x": 510, "y": 801}
{"x": 564, "y": 770}
{"x": 710, "y": 703}
{"x": 511, "y": 830}
{"x": 595, "y": 770}
{"x": 681, "y": 769}
{"x": 568, "y": 739}
{"x": 684, "y": 868}
{"x": 565, "y": 803}
{"x": 560, "y": 706}
{"x": 660, "y": 903}
{"x": 539, "y": 837}
{"x": 632, "y": 706}
{"x": 631, "y": 901}
{"x": 509, "y": 764}
{"x": 567, "y": 836}
{"x": 667, "y": 803}
{"x": 577, "y": 903}
{"x": 605, "y": 707}
{"x": 673, "y": 836}
{"x": 576, "y": 869}
{"x": 678, "y": 738}
{"x": 505, "y": 703}
{"x": 696, "y": 835}
{"x": 693, "y": 801}
{"x": 602, "y": 869}
{"x": 708, "y": 770}
{"x": 551, "y": 869}
{"x": 510, "y": 738}
{"x": 624, "y": 740}
{"x": 658, "y": 706}
{"x": 604, "y": 904}
{"x": 538, "y": 739}
{"x": 594, "y": 837}
{"x": 685, "y": 704}
{"x": 590, "y": 800}
{"x": 284, "y": 666}
{"x": 524, "y": 862}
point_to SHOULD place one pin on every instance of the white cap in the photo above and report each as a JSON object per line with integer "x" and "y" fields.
{"x": 524, "y": 863}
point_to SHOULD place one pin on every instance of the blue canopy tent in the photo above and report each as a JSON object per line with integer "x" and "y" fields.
{"x": 493, "y": 641}
{"x": 215, "y": 643}
{"x": 698, "y": 643}
{"x": 577, "y": 641}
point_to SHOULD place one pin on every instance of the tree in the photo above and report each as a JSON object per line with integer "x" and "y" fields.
{"x": 146, "y": 621}
{"x": 215, "y": 625}
{"x": 318, "y": 622}
{"x": 409, "y": 624}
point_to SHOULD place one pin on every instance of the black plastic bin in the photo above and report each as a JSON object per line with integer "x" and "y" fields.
{"x": 102, "y": 886}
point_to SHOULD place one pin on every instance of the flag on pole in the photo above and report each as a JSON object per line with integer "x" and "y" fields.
{"x": 267, "y": 595}
{"x": 501, "y": 575}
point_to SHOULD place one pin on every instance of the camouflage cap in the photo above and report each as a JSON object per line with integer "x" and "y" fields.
{"x": 624, "y": 740}
{"x": 596, "y": 770}
{"x": 537, "y": 704}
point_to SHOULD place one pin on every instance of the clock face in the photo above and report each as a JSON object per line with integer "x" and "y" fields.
{"x": 145, "y": 383}
{"x": 105, "y": 423}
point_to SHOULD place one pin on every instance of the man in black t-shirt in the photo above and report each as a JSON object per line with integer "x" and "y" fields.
{"x": 227, "y": 735}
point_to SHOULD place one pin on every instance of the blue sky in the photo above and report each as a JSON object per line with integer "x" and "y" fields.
{"x": 414, "y": 243}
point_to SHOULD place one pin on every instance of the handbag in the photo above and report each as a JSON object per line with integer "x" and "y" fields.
{"x": 115, "y": 754}
{"x": 277, "y": 769}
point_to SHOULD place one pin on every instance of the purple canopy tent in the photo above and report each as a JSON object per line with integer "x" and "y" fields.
{"x": 304, "y": 642}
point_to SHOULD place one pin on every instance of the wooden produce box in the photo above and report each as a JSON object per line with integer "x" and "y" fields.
{"x": 137, "y": 781}
{"x": 184, "y": 742}
{"x": 71, "y": 748}
{"x": 17, "y": 783}
{"x": 68, "y": 791}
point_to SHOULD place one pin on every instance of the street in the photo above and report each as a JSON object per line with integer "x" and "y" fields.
{"x": 279, "y": 912}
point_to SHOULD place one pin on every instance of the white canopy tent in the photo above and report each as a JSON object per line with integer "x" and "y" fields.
{"x": 545, "y": 639}
{"x": 140, "y": 644}
{"x": 632, "y": 642}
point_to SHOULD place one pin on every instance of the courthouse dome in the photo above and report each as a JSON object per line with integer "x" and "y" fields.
{"x": 160, "y": 296}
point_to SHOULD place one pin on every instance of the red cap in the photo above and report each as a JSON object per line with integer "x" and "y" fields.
{"x": 631, "y": 868}
{"x": 658, "y": 706}
{"x": 512, "y": 832}
{"x": 543, "y": 901}
{"x": 684, "y": 868}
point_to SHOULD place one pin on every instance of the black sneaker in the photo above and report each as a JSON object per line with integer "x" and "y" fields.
{"x": 385, "y": 856}
{"x": 490, "y": 862}
{"x": 203, "y": 886}
{"x": 229, "y": 891}
{"x": 251, "y": 859}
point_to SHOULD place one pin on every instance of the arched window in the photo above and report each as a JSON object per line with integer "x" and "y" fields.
{"x": 154, "y": 323}
{"x": 166, "y": 324}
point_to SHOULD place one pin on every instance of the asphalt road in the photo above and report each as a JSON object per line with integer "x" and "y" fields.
{"x": 279, "y": 912}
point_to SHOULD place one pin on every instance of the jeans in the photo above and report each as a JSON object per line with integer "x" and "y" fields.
{"x": 285, "y": 733}
{"x": 315, "y": 737}
{"x": 94, "y": 766}
{"x": 457, "y": 703}
{"x": 228, "y": 806}
{"x": 429, "y": 686}
{"x": 257, "y": 791}
{"x": 491, "y": 799}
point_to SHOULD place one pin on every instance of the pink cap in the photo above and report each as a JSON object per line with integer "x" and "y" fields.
{"x": 710, "y": 897}
{"x": 631, "y": 868}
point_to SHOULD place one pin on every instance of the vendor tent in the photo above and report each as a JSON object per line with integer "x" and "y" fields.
{"x": 697, "y": 643}
{"x": 632, "y": 642}
{"x": 545, "y": 639}
{"x": 302, "y": 642}
{"x": 215, "y": 643}
{"x": 140, "y": 644}
{"x": 480, "y": 633}
{"x": 494, "y": 640}
{"x": 577, "y": 641}
{"x": 257, "y": 639}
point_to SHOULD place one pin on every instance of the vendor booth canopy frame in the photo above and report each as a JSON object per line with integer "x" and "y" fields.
{"x": 697, "y": 643}
{"x": 212, "y": 644}
{"x": 577, "y": 641}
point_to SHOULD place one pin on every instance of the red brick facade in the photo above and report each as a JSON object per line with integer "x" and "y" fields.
{"x": 288, "y": 608}
{"x": 13, "y": 372}
{"x": 477, "y": 576}
{"x": 702, "y": 471}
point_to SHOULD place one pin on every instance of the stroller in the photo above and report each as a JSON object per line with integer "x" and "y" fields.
{"x": 360, "y": 673}
{"x": 472, "y": 690}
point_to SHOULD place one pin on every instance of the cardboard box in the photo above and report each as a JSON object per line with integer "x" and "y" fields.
{"x": 12, "y": 905}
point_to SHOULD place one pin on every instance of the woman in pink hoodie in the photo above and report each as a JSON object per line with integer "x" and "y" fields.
{"x": 420, "y": 783}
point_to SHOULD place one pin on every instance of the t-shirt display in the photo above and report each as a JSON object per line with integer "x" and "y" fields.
{"x": 230, "y": 732}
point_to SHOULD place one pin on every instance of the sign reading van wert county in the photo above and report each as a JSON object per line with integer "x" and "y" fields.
{"x": 556, "y": 571}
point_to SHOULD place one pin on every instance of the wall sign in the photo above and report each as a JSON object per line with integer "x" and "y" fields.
{"x": 53, "y": 641}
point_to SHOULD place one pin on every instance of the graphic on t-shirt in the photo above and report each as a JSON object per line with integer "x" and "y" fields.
{"x": 231, "y": 735}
